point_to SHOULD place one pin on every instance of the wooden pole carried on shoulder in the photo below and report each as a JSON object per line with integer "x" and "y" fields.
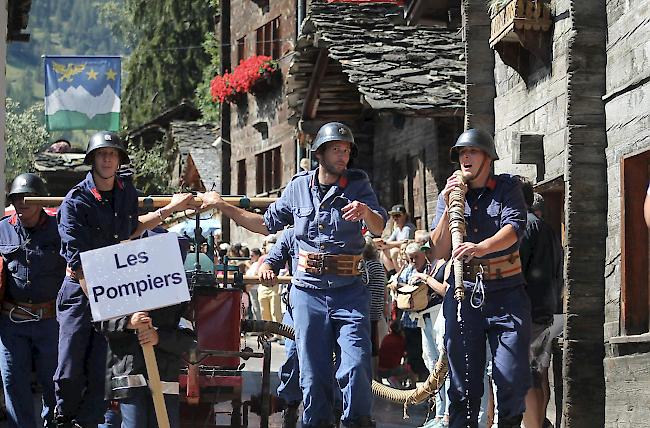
{"x": 160, "y": 201}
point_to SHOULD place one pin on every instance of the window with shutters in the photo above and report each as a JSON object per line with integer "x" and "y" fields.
{"x": 269, "y": 40}
{"x": 241, "y": 177}
{"x": 268, "y": 171}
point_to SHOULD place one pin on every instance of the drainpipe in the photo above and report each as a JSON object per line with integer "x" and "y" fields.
{"x": 301, "y": 8}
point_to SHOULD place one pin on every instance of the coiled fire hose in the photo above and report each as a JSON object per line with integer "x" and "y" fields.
{"x": 457, "y": 230}
{"x": 431, "y": 386}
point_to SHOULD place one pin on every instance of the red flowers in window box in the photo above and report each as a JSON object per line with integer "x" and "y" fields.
{"x": 243, "y": 78}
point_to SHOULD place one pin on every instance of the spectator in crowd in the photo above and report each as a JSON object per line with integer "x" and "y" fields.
{"x": 403, "y": 231}
{"x": 391, "y": 354}
{"x": 32, "y": 271}
{"x": 417, "y": 264}
{"x": 269, "y": 294}
{"x": 538, "y": 205}
{"x": 541, "y": 263}
{"x": 376, "y": 279}
{"x": 430, "y": 319}
{"x": 255, "y": 255}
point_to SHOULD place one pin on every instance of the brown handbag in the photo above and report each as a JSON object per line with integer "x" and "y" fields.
{"x": 413, "y": 297}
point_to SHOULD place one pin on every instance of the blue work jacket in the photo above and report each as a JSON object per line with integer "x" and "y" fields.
{"x": 35, "y": 269}
{"x": 487, "y": 210}
{"x": 318, "y": 222}
{"x": 87, "y": 221}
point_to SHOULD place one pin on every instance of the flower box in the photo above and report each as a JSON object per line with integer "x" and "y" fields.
{"x": 521, "y": 24}
{"x": 244, "y": 79}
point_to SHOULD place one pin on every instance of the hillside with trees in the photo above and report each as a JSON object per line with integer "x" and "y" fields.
{"x": 61, "y": 27}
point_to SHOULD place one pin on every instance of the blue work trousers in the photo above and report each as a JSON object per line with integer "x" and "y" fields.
{"x": 328, "y": 321}
{"x": 21, "y": 345}
{"x": 81, "y": 370}
{"x": 138, "y": 409}
{"x": 506, "y": 320}
{"x": 289, "y": 373}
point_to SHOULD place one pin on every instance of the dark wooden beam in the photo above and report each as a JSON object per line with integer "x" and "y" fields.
{"x": 310, "y": 105}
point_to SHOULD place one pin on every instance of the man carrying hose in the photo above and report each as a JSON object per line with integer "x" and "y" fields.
{"x": 100, "y": 211}
{"x": 495, "y": 305}
{"x": 328, "y": 208}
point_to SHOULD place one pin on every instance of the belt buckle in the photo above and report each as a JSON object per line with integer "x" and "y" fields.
{"x": 320, "y": 259}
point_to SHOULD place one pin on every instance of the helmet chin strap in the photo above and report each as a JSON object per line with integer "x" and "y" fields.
{"x": 101, "y": 176}
{"x": 480, "y": 169}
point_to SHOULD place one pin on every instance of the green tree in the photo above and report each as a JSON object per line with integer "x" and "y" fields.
{"x": 152, "y": 168}
{"x": 202, "y": 97}
{"x": 26, "y": 136}
{"x": 167, "y": 64}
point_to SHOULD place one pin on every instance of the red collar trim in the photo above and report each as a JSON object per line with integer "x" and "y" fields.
{"x": 120, "y": 184}
{"x": 491, "y": 183}
{"x": 342, "y": 182}
{"x": 13, "y": 220}
{"x": 96, "y": 194}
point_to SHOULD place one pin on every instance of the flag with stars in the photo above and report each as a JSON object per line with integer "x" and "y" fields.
{"x": 82, "y": 92}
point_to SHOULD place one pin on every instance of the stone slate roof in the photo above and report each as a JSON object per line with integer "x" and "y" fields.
{"x": 394, "y": 66}
{"x": 71, "y": 162}
{"x": 156, "y": 128}
{"x": 195, "y": 139}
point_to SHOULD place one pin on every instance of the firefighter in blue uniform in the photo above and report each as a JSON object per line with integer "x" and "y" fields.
{"x": 330, "y": 302}
{"x": 32, "y": 275}
{"x": 100, "y": 211}
{"x": 285, "y": 251}
{"x": 496, "y": 305}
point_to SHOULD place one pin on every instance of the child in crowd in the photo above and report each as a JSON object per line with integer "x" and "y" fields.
{"x": 391, "y": 353}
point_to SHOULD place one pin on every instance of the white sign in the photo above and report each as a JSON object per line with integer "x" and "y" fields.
{"x": 135, "y": 276}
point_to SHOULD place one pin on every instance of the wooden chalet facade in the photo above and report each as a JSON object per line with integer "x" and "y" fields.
{"x": 400, "y": 89}
{"x": 563, "y": 85}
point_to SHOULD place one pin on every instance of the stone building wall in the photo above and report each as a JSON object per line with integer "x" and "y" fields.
{"x": 259, "y": 122}
{"x": 627, "y": 104}
{"x": 422, "y": 141}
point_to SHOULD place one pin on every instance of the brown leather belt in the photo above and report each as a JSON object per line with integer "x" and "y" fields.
{"x": 491, "y": 269}
{"x": 71, "y": 273}
{"x": 329, "y": 264}
{"x": 22, "y": 311}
